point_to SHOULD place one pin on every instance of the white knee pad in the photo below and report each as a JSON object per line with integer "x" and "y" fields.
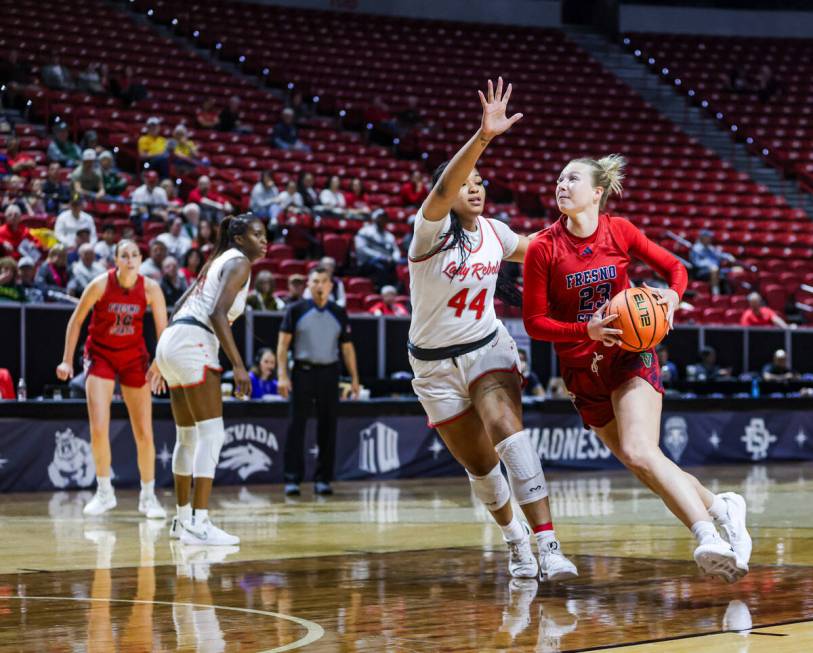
{"x": 184, "y": 453}
{"x": 211, "y": 434}
{"x": 491, "y": 489}
{"x": 524, "y": 469}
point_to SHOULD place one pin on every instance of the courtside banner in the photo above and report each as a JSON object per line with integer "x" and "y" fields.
{"x": 55, "y": 454}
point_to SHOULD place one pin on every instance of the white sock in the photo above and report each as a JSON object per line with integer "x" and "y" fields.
{"x": 184, "y": 513}
{"x": 103, "y": 484}
{"x": 148, "y": 488}
{"x": 718, "y": 509}
{"x": 199, "y": 515}
{"x": 513, "y": 531}
{"x": 704, "y": 532}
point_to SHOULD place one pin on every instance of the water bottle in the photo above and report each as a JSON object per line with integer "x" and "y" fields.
{"x": 755, "y": 388}
{"x": 22, "y": 391}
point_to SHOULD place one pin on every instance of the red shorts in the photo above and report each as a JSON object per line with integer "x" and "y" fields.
{"x": 130, "y": 365}
{"x": 590, "y": 387}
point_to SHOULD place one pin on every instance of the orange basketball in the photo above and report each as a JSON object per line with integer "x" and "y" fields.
{"x": 640, "y": 318}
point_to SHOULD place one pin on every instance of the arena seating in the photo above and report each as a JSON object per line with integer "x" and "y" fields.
{"x": 573, "y": 108}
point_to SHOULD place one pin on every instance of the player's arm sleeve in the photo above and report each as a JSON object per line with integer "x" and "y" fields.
{"x": 535, "y": 308}
{"x": 508, "y": 239}
{"x": 655, "y": 256}
{"x": 426, "y": 234}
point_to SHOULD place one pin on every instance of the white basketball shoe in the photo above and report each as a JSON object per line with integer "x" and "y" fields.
{"x": 101, "y": 502}
{"x": 207, "y": 534}
{"x": 521, "y": 561}
{"x": 733, "y": 530}
{"x": 553, "y": 564}
{"x": 149, "y": 506}
{"x": 716, "y": 558}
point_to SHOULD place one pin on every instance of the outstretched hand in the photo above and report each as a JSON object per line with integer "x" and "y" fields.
{"x": 495, "y": 103}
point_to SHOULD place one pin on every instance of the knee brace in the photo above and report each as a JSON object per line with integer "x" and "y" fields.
{"x": 211, "y": 434}
{"x": 491, "y": 489}
{"x": 524, "y": 469}
{"x": 184, "y": 453}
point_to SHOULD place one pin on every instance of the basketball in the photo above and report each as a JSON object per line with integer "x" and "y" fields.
{"x": 641, "y": 319}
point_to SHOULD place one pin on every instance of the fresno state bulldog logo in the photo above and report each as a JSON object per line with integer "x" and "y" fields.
{"x": 73, "y": 461}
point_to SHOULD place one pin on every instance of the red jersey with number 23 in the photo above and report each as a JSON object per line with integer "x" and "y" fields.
{"x": 567, "y": 278}
{"x": 117, "y": 322}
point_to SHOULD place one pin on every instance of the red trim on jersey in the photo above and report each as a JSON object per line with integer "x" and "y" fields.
{"x": 206, "y": 368}
{"x": 494, "y": 231}
{"x": 449, "y": 420}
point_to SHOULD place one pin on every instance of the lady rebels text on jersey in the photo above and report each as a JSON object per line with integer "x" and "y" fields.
{"x": 568, "y": 278}
{"x": 453, "y": 302}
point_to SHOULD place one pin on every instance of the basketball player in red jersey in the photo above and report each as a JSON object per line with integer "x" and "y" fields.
{"x": 572, "y": 269}
{"x": 115, "y": 347}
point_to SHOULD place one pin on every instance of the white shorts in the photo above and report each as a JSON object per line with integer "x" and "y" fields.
{"x": 443, "y": 386}
{"x": 184, "y": 353}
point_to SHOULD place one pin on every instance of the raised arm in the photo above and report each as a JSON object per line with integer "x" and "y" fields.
{"x": 235, "y": 273}
{"x": 494, "y": 122}
{"x": 92, "y": 293}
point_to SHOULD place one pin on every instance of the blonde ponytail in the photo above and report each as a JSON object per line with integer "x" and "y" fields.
{"x": 608, "y": 172}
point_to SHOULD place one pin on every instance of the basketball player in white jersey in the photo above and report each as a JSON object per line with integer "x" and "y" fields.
{"x": 187, "y": 356}
{"x": 466, "y": 365}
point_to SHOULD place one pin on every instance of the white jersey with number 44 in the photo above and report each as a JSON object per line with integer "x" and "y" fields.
{"x": 453, "y": 301}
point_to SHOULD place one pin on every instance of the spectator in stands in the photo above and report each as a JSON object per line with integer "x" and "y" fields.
{"x": 389, "y": 304}
{"x": 149, "y": 201}
{"x": 127, "y": 88}
{"x": 20, "y": 163}
{"x": 708, "y": 260}
{"x": 56, "y": 193}
{"x": 759, "y": 315}
{"x": 356, "y": 200}
{"x": 765, "y": 84}
{"x": 152, "y": 267}
{"x": 302, "y": 110}
{"x": 286, "y": 134}
{"x": 291, "y": 197}
{"x": 191, "y": 216}
{"x": 106, "y": 246}
{"x": 173, "y": 283}
{"x": 213, "y": 206}
{"x": 296, "y": 288}
{"x": 15, "y": 75}
{"x": 206, "y": 238}
{"x": 184, "y": 154}
{"x": 669, "y": 371}
{"x": 337, "y": 294}
{"x": 15, "y": 195}
{"x": 265, "y": 202}
{"x": 152, "y": 148}
{"x": 114, "y": 184}
{"x": 90, "y": 141}
{"x": 533, "y": 386}
{"x": 332, "y": 198}
{"x": 93, "y": 79}
{"x": 192, "y": 263}
{"x": 35, "y": 198}
{"x": 174, "y": 203}
{"x": 177, "y": 242}
{"x": 414, "y": 191}
{"x": 12, "y": 234}
{"x": 229, "y": 118}
{"x": 87, "y": 178}
{"x": 56, "y": 76}
{"x": 85, "y": 270}
{"x": 778, "y": 370}
{"x": 10, "y": 291}
{"x": 707, "y": 369}
{"x": 72, "y": 220}
{"x": 736, "y": 81}
{"x": 82, "y": 238}
{"x": 262, "y": 298}
{"x": 376, "y": 250}
{"x": 27, "y": 280}
{"x": 307, "y": 188}
{"x": 263, "y": 382}
{"x": 53, "y": 273}
{"x": 61, "y": 149}
{"x": 207, "y": 115}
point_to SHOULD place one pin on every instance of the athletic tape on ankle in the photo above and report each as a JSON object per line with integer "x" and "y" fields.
{"x": 184, "y": 453}
{"x": 491, "y": 489}
{"x": 524, "y": 469}
{"x": 211, "y": 434}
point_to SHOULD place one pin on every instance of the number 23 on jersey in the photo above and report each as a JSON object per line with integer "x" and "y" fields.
{"x": 459, "y": 303}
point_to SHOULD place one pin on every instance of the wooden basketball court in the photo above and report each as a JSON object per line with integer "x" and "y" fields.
{"x": 408, "y": 566}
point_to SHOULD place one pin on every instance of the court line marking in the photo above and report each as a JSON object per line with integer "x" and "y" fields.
{"x": 314, "y": 631}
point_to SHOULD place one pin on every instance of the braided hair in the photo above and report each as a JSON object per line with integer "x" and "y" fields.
{"x": 507, "y": 291}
